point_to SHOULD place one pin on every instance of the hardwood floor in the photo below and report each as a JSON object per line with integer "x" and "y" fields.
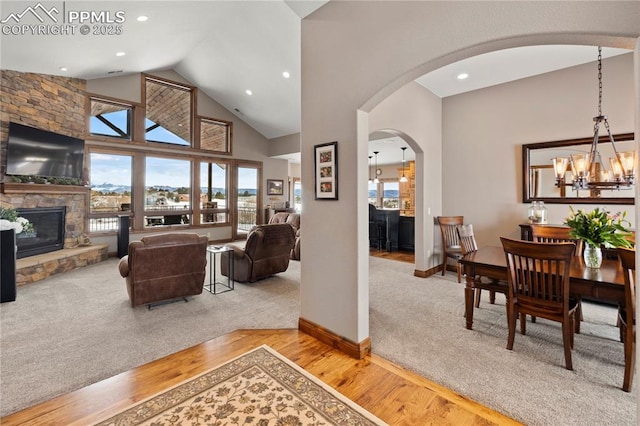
{"x": 402, "y": 256}
{"x": 392, "y": 393}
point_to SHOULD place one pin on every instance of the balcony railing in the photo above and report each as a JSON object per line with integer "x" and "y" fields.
{"x": 108, "y": 222}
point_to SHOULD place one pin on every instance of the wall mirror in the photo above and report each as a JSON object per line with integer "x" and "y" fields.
{"x": 538, "y": 179}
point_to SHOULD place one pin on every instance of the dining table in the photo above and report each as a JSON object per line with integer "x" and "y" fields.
{"x": 603, "y": 284}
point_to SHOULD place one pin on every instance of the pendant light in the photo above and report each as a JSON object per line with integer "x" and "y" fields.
{"x": 588, "y": 171}
{"x": 376, "y": 180}
{"x": 369, "y": 168}
{"x": 403, "y": 178}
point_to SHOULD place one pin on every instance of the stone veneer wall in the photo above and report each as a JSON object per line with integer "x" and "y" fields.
{"x": 52, "y": 103}
{"x": 75, "y": 215}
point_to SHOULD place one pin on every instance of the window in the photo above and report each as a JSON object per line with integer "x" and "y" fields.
{"x": 110, "y": 118}
{"x": 110, "y": 179}
{"x": 391, "y": 195}
{"x": 168, "y": 112}
{"x": 215, "y": 135}
{"x": 167, "y": 192}
{"x": 297, "y": 195}
{"x": 373, "y": 193}
{"x": 214, "y": 200}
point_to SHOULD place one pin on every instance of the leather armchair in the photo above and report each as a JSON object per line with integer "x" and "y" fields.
{"x": 164, "y": 266}
{"x": 266, "y": 253}
{"x": 292, "y": 219}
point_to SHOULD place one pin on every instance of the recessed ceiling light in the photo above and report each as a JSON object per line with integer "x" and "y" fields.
{"x": 142, "y": 18}
{"x": 462, "y": 76}
{"x": 63, "y": 68}
{"x": 249, "y": 92}
{"x": 120, "y": 54}
{"x": 286, "y": 74}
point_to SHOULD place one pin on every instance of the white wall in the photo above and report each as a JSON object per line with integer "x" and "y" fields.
{"x": 354, "y": 54}
{"x": 483, "y": 132}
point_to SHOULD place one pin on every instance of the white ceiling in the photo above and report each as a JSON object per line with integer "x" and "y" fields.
{"x": 227, "y": 47}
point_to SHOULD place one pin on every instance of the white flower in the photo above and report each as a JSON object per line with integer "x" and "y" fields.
{"x": 6, "y": 225}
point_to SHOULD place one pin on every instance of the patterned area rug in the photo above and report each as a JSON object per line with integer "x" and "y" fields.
{"x": 260, "y": 387}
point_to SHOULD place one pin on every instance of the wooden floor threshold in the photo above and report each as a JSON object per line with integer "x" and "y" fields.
{"x": 392, "y": 393}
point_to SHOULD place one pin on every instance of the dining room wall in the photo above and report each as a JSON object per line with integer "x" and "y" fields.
{"x": 487, "y": 127}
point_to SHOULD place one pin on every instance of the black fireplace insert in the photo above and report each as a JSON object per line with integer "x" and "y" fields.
{"x": 46, "y": 233}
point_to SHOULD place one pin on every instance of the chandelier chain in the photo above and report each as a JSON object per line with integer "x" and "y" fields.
{"x": 599, "y": 81}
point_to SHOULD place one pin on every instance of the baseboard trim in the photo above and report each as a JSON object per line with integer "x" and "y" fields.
{"x": 354, "y": 350}
{"x": 426, "y": 273}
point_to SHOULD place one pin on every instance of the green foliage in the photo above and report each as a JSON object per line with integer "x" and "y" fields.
{"x": 9, "y": 214}
{"x": 599, "y": 228}
{"x": 219, "y": 195}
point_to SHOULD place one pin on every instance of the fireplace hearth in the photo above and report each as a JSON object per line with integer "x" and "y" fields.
{"x": 47, "y": 234}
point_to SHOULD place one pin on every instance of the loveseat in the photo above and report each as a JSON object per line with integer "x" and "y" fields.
{"x": 265, "y": 253}
{"x": 292, "y": 219}
{"x": 164, "y": 266}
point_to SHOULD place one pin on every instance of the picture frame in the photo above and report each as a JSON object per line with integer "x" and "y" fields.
{"x": 275, "y": 187}
{"x": 326, "y": 171}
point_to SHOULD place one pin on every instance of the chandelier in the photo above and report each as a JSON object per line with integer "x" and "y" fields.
{"x": 587, "y": 170}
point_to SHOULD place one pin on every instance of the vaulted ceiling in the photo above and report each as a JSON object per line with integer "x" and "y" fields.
{"x": 226, "y": 48}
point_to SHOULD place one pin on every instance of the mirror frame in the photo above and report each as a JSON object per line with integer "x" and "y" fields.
{"x": 526, "y": 150}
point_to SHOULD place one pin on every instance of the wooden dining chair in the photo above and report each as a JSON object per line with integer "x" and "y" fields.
{"x": 468, "y": 244}
{"x": 627, "y": 314}
{"x": 558, "y": 234}
{"x": 538, "y": 275}
{"x": 555, "y": 234}
{"x": 450, "y": 243}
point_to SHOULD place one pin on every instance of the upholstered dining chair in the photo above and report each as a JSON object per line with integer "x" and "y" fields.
{"x": 468, "y": 244}
{"x": 627, "y": 314}
{"x": 450, "y": 244}
{"x": 538, "y": 275}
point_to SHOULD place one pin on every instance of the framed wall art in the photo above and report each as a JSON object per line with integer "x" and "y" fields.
{"x": 326, "y": 170}
{"x": 275, "y": 187}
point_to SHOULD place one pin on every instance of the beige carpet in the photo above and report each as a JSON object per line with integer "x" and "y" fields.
{"x": 77, "y": 328}
{"x": 259, "y": 387}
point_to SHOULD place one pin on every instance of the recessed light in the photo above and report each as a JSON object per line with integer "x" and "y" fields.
{"x": 142, "y": 18}
{"x": 63, "y": 68}
{"x": 249, "y": 92}
{"x": 120, "y": 54}
{"x": 462, "y": 76}
{"x": 286, "y": 74}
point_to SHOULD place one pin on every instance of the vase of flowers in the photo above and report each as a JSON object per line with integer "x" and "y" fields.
{"x": 9, "y": 219}
{"x": 598, "y": 228}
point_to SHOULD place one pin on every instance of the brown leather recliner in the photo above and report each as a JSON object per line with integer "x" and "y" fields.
{"x": 164, "y": 266}
{"x": 292, "y": 219}
{"x": 266, "y": 253}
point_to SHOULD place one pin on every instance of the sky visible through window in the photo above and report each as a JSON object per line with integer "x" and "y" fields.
{"x": 116, "y": 170}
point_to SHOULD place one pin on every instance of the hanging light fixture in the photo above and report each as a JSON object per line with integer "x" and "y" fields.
{"x": 370, "y": 157}
{"x": 376, "y": 180}
{"x": 587, "y": 170}
{"x": 403, "y": 178}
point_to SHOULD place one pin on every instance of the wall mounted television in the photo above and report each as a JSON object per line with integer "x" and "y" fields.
{"x": 36, "y": 152}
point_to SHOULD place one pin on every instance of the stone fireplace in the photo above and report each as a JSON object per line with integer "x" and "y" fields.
{"x": 47, "y": 233}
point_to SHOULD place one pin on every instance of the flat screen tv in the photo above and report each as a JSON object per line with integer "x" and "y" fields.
{"x": 36, "y": 152}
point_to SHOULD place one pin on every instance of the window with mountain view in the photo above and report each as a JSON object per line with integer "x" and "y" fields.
{"x": 214, "y": 202}
{"x": 110, "y": 180}
{"x": 167, "y": 192}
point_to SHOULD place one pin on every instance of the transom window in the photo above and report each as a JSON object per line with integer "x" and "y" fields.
{"x": 168, "y": 112}
{"x": 110, "y": 118}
